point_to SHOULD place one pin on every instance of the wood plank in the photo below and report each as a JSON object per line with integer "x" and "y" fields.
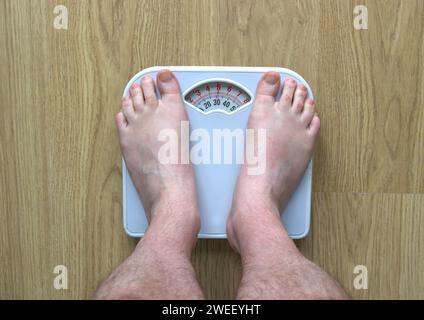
{"x": 370, "y": 98}
{"x": 381, "y": 231}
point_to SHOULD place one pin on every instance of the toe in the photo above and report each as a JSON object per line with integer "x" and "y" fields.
{"x": 137, "y": 96}
{"x": 128, "y": 108}
{"x": 168, "y": 87}
{"x": 308, "y": 112}
{"x": 267, "y": 89}
{"x": 149, "y": 92}
{"x": 299, "y": 98}
{"x": 121, "y": 121}
{"x": 314, "y": 125}
{"x": 287, "y": 93}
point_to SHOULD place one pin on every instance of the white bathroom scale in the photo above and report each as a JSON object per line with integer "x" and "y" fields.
{"x": 219, "y": 98}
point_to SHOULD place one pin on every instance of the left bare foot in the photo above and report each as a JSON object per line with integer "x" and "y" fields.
{"x": 291, "y": 126}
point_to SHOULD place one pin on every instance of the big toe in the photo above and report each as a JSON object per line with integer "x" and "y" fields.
{"x": 268, "y": 87}
{"x": 169, "y": 87}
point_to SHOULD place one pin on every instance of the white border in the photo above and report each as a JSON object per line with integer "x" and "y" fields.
{"x": 280, "y": 70}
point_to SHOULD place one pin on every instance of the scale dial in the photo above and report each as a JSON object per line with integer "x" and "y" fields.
{"x": 217, "y": 95}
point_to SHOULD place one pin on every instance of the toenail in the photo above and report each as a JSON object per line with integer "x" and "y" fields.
{"x": 290, "y": 81}
{"x": 134, "y": 89}
{"x": 146, "y": 79}
{"x": 271, "y": 78}
{"x": 302, "y": 87}
{"x": 165, "y": 76}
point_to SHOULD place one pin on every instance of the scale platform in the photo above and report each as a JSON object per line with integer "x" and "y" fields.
{"x": 218, "y": 98}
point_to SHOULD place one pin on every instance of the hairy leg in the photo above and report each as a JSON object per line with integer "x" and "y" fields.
{"x": 273, "y": 268}
{"x": 160, "y": 266}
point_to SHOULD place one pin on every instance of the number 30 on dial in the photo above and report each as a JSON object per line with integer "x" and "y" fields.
{"x": 219, "y": 95}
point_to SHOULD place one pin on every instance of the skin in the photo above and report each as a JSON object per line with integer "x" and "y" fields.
{"x": 273, "y": 268}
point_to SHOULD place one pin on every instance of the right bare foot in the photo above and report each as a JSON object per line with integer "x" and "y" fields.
{"x": 291, "y": 127}
{"x": 159, "y": 185}
{"x": 160, "y": 266}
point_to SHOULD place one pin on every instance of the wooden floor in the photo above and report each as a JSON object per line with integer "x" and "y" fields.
{"x": 60, "y": 173}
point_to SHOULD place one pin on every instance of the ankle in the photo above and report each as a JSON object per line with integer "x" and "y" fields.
{"x": 174, "y": 225}
{"x": 253, "y": 224}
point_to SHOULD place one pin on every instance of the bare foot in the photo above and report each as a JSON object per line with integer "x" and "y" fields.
{"x": 159, "y": 185}
{"x": 273, "y": 268}
{"x": 160, "y": 266}
{"x": 292, "y": 126}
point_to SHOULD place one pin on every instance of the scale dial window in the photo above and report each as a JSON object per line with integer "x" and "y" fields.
{"x": 218, "y": 95}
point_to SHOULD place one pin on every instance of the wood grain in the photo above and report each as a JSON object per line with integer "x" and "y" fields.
{"x": 371, "y": 96}
{"x": 60, "y": 173}
{"x": 381, "y": 231}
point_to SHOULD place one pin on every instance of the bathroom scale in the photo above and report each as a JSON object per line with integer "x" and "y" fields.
{"x": 218, "y": 98}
